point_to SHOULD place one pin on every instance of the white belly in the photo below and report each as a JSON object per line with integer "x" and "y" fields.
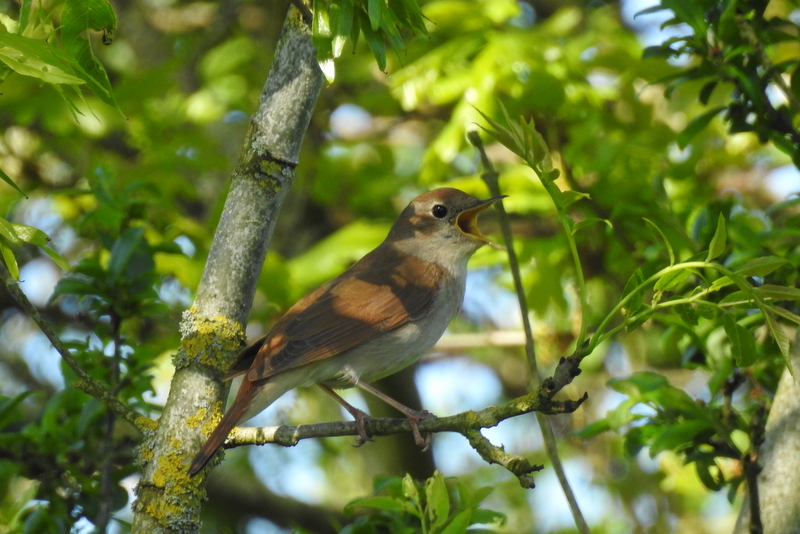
{"x": 396, "y": 350}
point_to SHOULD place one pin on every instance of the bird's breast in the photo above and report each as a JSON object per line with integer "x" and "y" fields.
{"x": 393, "y": 351}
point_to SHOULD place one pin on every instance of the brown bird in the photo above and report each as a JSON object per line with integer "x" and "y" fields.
{"x": 378, "y": 317}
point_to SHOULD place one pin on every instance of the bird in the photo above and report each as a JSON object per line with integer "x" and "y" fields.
{"x": 379, "y": 316}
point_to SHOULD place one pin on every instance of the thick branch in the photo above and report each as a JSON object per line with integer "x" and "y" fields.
{"x": 212, "y": 330}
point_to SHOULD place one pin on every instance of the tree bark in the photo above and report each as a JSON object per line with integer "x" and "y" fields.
{"x": 212, "y": 330}
{"x": 779, "y": 457}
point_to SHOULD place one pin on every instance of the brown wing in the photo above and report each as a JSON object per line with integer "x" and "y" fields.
{"x": 344, "y": 313}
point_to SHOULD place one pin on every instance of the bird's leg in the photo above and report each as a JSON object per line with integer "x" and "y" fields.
{"x": 357, "y": 414}
{"x": 414, "y": 416}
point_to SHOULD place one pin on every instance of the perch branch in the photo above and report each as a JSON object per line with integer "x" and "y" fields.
{"x": 289, "y": 436}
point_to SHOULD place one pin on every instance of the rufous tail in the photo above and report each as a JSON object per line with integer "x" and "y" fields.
{"x": 217, "y": 437}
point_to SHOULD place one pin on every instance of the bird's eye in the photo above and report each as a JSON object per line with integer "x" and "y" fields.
{"x": 439, "y": 211}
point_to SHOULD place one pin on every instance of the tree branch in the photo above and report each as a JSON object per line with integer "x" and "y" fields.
{"x": 290, "y": 435}
{"x": 85, "y": 382}
{"x": 212, "y": 331}
{"x": 567, "y": 368}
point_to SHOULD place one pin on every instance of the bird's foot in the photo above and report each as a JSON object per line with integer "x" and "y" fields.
{"x": 361, "y": 418}
{"x": 415, "y": 416}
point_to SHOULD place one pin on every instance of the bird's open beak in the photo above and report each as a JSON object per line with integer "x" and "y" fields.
{"x": 467, "y": 219}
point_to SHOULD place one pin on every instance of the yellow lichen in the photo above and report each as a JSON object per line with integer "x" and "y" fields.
{"x": 212, "y": 341}
{"x": 145, "y": 423}
{"x": 161, "y": 510}
{"x": 209, "y": 426}
{"x": 195, "y": 420}
{"x": 270, "y": 167}
{"x": 171, "y": 468}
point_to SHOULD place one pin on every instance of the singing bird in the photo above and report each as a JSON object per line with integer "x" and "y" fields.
{"x": 378, "y": 317}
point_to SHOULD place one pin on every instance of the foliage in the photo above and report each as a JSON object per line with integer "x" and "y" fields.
{"x": 439, "y": 505}
{"x": 726, "y": 47}
{"x": 687, "y": 268}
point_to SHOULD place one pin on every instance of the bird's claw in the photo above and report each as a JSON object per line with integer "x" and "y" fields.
{"x": 413, "y": 418}
{"x": 363, "y": 436}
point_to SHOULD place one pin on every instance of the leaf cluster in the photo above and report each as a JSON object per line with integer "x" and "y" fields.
{"x": 727, "y": 48}
{"x": 67, "y": 484}
{"x": 438, "y": 505}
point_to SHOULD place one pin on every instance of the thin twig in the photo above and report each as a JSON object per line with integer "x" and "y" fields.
{"x": 493, "y": 454}
{"x": 490, "y": 176}
{"x": 85, "y": 382}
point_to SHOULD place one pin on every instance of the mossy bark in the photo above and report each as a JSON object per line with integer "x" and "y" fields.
{"x": 213, "y": 328}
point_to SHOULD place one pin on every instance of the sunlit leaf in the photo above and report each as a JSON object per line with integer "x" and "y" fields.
{"x": 743, "y": 345}
{"x": 38, "y": 59}
{"x": 664, "y": 239}
{"x": 672, "y": 280}
{"x": 77, "y": 17}
{"x": 761, "y": 266}
{"x": 589, "y": 221}
{"x": 8, "y": 257}
{"x": 717, "y": 246}
{"x": 57, "y": 258}
{"x": 781, "y": 339}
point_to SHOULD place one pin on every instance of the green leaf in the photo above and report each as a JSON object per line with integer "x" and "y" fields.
{"x": 635, "y": 303}
{"x": 9, "y": 233}
{"x": 24, "y": 15}
{"x": 786, "y": 314}
{"x": 77, "y": 17}
{"x": 703, "y": 468}
{"x": 687, "y": 313}
{"x": 761, "y": 266}
{"x": 413, "y": 15}
{"x": 743, "y": 345}
{"x": 375, "y": 9}
{"x": 375, "y": 43}
{"x": 569, "y": 197}
{"x": 438, "y": 501}
{"x": 774, "y": 292}
{"x": 487, "y": 517}
{"x": 410, "y": 490}
{"x": 57, "y": 258}
{"x": 586, "y": 222}
{"x": 8, "y": 257}
{"x": 74, "y": 285}
{"x": 7, "y": 179}
{"x": 705, "y": 92}
{"x": 381, "y": 503}
{"x": 592, "y": 429}
{"x": 664, "y": 239}
{"x": 717, "y": 246}
{"x": 696, "y": 125}
{"x": 341, "y": 16}
{"x": 739, "y": 298}
{"x": 674, "y": 437}
{"x": 672, "y": 280}
{"x": 29, "y": 234}
{"x": 8, "y": 405}
{"x": 38, "y": 59}
{"x": 122, "y": 251}
{"x": 779, "y": 335}
{"x": 642, "y": 382}
{"x": 459, "y": 524}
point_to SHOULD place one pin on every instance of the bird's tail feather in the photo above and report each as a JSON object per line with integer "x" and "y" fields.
{"x": 217, "y": 437}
